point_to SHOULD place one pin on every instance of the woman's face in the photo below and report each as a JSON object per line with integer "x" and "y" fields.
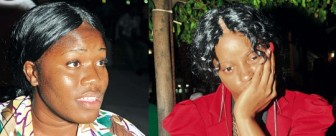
{"x": 72, "y": 77}
{"x": 237, "y": 61}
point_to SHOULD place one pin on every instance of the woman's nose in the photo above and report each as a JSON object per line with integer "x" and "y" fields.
{"x": 247, "y": 76}
{"x": 91, "y": 76}
{"x": 246, "y": 73}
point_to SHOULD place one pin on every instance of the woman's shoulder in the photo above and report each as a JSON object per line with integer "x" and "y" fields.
{"x": 309, "y": 114}
{"x": 117, "y": 124}
{"x": 187, "y": 116}
{"x": 195, "y": 104}
{"x": 309, "y": 108}
{"x": 303, "y": 100}
{"x": 20, "y": 107}
{"x": 185, "y": 119}
{"x": 16, "y": 101}
{"x": 203, "y": 103}
{"x": 3, "y": 105}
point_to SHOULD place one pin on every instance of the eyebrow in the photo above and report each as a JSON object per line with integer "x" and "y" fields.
{"x": 82, "y": 50}
{"x": 249, "y": 52}
{"x": 102, "y": 49}
{"x": 246, "y": 54}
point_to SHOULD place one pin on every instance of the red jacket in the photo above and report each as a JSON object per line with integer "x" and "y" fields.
{"x": 296, "y": 114}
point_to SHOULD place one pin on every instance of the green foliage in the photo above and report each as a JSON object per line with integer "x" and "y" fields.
{"x": 150, "y": 24}
{"x": 187, "y": 14}
{"x": 316, "y": 8}
{"x": 333, "y": 7}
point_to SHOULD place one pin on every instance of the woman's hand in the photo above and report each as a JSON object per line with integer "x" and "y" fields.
{"x": 256, "y": 97}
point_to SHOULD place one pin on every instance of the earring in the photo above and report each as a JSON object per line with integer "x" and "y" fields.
{"x": 221, "y": 105}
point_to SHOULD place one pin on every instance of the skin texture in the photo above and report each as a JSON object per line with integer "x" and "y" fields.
{"x": 250, "y": 79}
{"x": 71, "y": 69}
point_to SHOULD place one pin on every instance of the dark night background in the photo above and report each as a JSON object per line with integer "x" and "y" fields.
{"x": 308, "y": 44}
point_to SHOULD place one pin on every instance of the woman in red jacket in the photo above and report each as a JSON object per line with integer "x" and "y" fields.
{"x": 236, "y": 45}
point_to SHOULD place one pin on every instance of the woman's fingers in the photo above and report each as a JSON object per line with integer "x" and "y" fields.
{"x": 262, "y": 88}
{"x": 266, "y": 75}
{"x": 257, "y": 76}
{"x": 272, "y": 80}
{"x": 265, "y": 86}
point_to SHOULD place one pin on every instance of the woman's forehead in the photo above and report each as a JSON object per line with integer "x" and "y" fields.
{"x": 233, "y": 44}
{"x": 77, "y": 38}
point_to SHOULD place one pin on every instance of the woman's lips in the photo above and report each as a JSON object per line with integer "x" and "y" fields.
{"x": 88, "y": 99}
{"x": 89, "y": 102}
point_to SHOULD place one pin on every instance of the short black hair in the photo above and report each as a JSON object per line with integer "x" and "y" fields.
{"x": 38, "y": 29}
{"x": 243, "y": 18}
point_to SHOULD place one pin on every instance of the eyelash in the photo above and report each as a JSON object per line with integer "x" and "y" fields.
{"x": 255, "y": 57}
{"x": 73, "y": 63}
{"x": 103, "y": 62}
{"x": 252, "y": 59}
{"x": 227, "y": 69}
{"x": 76, "y": 63}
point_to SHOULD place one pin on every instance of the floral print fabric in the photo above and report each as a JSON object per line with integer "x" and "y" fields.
{"x": 16, "y": 120}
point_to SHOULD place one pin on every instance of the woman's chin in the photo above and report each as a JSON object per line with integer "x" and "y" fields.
{"x": 86, "y": 117}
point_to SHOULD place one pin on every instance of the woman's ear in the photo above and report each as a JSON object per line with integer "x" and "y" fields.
{"x": 31, "y": 73}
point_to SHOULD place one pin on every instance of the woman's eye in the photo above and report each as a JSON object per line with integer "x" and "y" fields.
{"x": 73, "y": 64}
{"x": 102, "y": 62}
{"x": 228, "y": 69}
{"x": 254, "y": 58}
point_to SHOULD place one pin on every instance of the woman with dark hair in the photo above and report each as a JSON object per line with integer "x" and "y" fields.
{"x": 235, "y": 46}
{"x": 58, "y": 57}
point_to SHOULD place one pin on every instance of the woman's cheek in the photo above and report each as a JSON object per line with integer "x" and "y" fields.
{"x": 68, "y": 80}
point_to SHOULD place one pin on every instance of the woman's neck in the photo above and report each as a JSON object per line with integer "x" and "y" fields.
{"x": 46, "y": 122}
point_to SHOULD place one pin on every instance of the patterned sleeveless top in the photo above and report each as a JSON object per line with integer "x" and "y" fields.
{"x": 16, "y": 120}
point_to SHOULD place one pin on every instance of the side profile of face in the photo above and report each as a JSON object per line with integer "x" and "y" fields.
{"x": 236, "y": 60}
{"x": 71, "y": 77}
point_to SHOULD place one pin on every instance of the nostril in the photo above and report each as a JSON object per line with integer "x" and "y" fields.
{"x": 89, "y": 82}
{"x": 247, "y": 76}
